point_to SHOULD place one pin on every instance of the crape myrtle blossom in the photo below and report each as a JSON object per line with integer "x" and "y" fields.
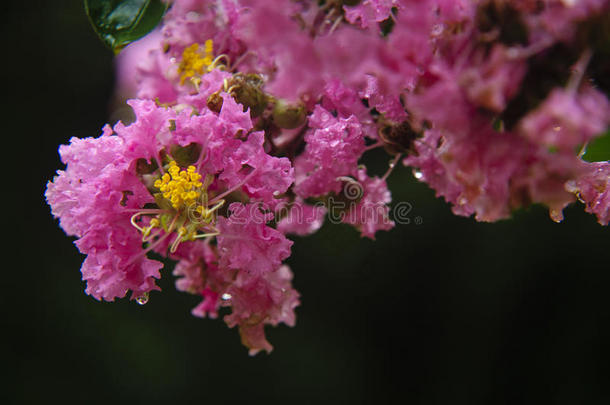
{"x": 593, "y": 189}
{"x": 253, "y": 118}
{"x": 162, "y": 180}
{"x": 254, "y": 299}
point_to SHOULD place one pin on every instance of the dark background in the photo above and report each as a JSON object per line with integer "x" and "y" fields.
{"x": 449, "y": 311}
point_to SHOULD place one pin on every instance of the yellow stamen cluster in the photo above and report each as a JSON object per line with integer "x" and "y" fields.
{"x": 196, "y": 62}
{"x": 181, "y": 187}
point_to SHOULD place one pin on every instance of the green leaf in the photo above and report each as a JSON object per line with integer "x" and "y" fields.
{"x": 599, "y": 149}
{"x": 120, "y": 22}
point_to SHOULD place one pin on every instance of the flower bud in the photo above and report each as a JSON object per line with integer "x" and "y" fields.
{"x": 214, "y": 102}
{"x": 288, "y": 116}
{"x": 398, "y": 138}
{"x": 246, "y": 89}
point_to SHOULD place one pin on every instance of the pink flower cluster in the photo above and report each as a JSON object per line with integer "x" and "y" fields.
{"x": 252, "y": 118}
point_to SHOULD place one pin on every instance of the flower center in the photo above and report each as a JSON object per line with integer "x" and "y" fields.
{"x": 181, "y": 187}
{"x": 183, "y": 208}
{"x": 195, "y": 61}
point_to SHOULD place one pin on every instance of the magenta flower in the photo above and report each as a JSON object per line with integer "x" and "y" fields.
{"x": 593, "y": 189}
{"x": 253, "y": 117}
{"x": 371, "y": 212}
{"x": 246, "y": 243}
{"x": 255, "y": 300}
{"x": 333, "y": 148}
{"x": 162, "y": 181}
{"x": 567, "y": 120}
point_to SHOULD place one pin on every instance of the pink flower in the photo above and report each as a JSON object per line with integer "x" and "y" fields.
{"x": 93, "y": 198}
{"x": 379, "y": 99}
{"x": 490, "y": 174}
{"x": 490, "y": 80}
{"x": 131, "y": 72}
{"x": 300, "y": 218}
{"x": 210, "y": 83}
{"x": 255, "y": 300}
{"x": 269, "y": 299}
{"x": 333, "y": 147}
{"x": 369, "y": 12}
{"x": 198, "y": 273}
{"x": 371, "y": 213}
{"x": 104, "y": 186}
{"x": 566, "y": 120}
{"x": 149, "y": 133}
{"x": 593, "y": 189}
{"x": 479, "y": 130}
{"x": 270, "y": 176}
{"x": 247, "y": 243}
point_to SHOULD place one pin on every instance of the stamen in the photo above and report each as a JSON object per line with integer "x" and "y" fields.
{"x": 205, "y": 235}
{"x": 154, "y": 223}
{"x": 181, "y": 233}
{"x": 392, "y": 166}
{"x": 373, "y": 146}
{"x": 186, "y": 191}
{"x": 145, "y": 210}
{"x": 148, "y": 249}
{"x": 216, "y": 62}
{"x": 196, "y": 62}
{"x": 180, "y": 187}
{"x": 578, "y": 70}
{"x": 207, "y": 215}
{"x": 336, "y": 24}
{"x": 133, "y": 221}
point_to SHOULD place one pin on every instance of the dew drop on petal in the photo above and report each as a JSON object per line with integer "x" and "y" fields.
{"x": 142, "y": 299}
{"x": 418, "y": 174}
{"x": 437, "y": 30}
{"x": 556, "y": 215}
{"x": 226, "y": 296}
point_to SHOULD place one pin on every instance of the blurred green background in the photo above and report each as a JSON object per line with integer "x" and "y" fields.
{"x": 449, "y": 311}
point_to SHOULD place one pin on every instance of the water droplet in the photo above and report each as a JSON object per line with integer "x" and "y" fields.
{"x": 557, "y": 128}
{"x": 142, "y": 299}
{"x": 437, "y": 30}
{"x": 392, "y": 164}
{"x": 226, "y": 296}
{"x": 418, "y": 175}
{"x": 172, "y": 60}
{"x": 556, "y": 215}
